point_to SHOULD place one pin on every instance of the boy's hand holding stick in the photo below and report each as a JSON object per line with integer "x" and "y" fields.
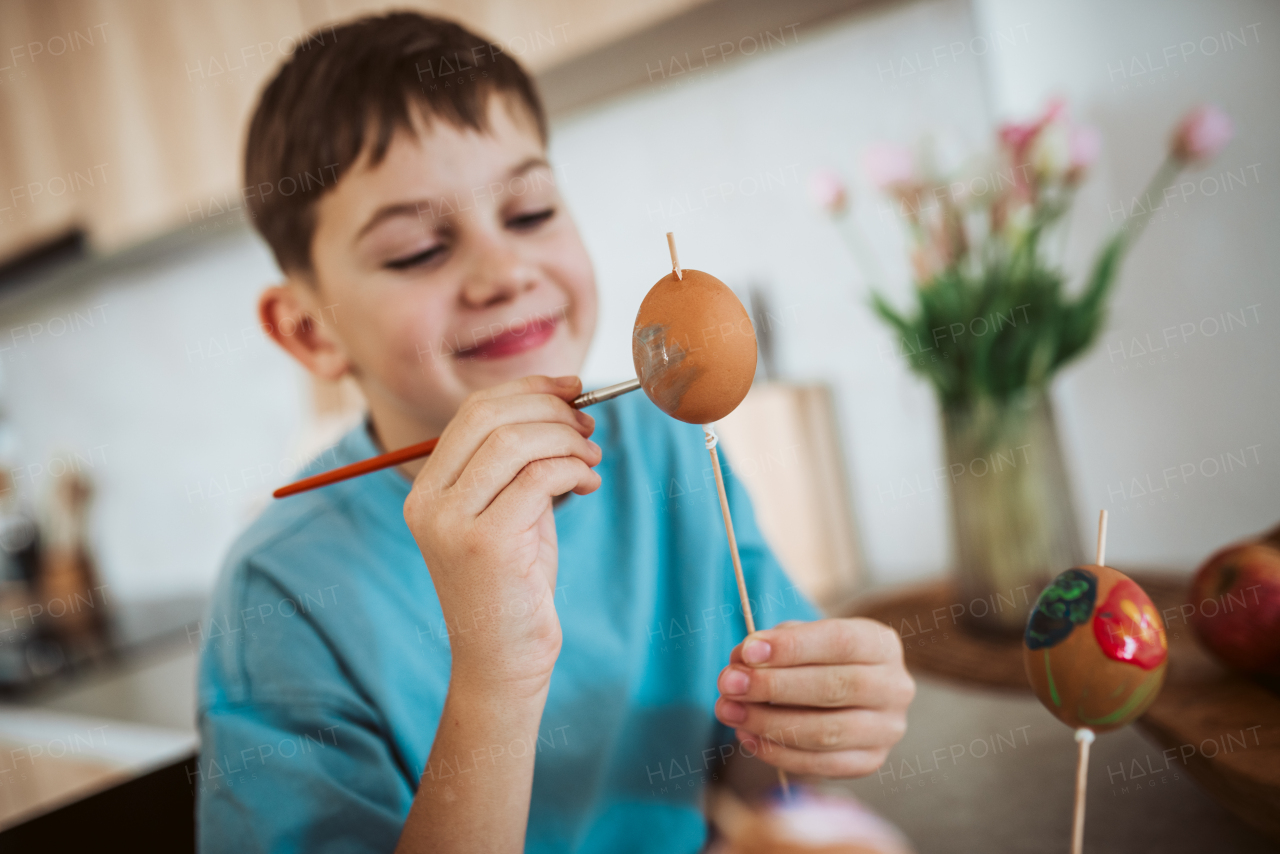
{"x": 828, "y": 697}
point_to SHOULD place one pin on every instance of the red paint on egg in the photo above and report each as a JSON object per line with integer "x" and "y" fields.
{"x": 1128, "y": 627}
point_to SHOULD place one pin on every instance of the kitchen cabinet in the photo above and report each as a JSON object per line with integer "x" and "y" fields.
{"x": 128, "y": 118}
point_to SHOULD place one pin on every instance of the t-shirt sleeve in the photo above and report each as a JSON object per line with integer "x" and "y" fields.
{"x": 774, "y": 596}
{"x": 291, "y": 757}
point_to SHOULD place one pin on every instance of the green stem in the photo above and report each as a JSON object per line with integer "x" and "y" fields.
{"x": 1163, "y": 177}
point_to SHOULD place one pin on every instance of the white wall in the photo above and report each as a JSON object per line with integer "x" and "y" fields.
{"x": 1132, "y": 69}
{"x": 155, "y": 381}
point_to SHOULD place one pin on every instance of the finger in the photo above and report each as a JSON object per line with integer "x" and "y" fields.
{"x": 566, "y": 388}
{"x": 523, "y": 501}
{"x": 507, "y": 451}
{"x": 479, "y": 417}
{"x": 851, "y": 640}
{"x": 873, "y": 686}
{"x": 814, "y": 729}
{"x": 825, "y": 763}
{"x": 735, "y": 655}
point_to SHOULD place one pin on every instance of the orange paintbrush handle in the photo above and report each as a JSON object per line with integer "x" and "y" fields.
{"x": 422, "y": 449}
{"x": 382, "y": 461}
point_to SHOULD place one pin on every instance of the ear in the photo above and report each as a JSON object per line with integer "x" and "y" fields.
{"x": 292, "y": 315}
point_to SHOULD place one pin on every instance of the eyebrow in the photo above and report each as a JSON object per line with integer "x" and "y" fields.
{"x": 414, "y": 208}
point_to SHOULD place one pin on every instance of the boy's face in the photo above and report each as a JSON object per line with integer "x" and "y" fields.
{"x": 451, "y": 266}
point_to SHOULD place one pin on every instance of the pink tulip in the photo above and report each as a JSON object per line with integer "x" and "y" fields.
{"x": 827, "y": 189}
{"x": 1054, "y": 110}
{"x": 1018, "y": 136}
{"x": 1083, "y": 145}
{"x": 888, "y": 165}
{"x": 1201, "y": 134}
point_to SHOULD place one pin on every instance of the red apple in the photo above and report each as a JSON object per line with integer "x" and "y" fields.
{"x": 1236, "y": 600}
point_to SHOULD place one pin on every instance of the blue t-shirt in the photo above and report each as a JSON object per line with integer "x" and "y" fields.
{"x": 326, "y": 658}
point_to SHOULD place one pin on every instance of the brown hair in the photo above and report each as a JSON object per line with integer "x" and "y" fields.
{"x": 350, "y": 88}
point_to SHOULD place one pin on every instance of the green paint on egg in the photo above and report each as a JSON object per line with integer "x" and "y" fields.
{"x": 1053, "y": 689}
{"x": 1135, "y": 699}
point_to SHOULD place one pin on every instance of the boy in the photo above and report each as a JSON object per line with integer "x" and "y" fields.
{"x": 520, "y": 642}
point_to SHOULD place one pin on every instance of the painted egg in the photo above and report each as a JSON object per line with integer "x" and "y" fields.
{"x": 1095, "y": 648}
{"x": 694, "y": 347}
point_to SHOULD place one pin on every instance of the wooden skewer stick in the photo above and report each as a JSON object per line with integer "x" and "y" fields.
{"x": 712, "y": 439}
{"x": 1084, "y": 736}
{"x": 675, "y": 261}
{"x": 1102, "y": 538}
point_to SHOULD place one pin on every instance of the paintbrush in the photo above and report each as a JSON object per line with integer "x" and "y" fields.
{"x": 422, "y": 449}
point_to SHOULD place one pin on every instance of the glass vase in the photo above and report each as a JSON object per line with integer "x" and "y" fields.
{"x": 1013, "y": 524}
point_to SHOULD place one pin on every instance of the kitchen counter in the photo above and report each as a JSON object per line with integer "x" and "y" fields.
{"x": 985, "y": 770}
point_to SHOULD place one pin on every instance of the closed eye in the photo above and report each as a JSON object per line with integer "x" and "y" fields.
{"x": 417, "y": 259}
{"x": 531, "y": 220}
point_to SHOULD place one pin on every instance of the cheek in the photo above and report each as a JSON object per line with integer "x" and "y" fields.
{"x": 407, "y": 336}
{"x": 574, "y": 273}
{"x": 422, "y": 343}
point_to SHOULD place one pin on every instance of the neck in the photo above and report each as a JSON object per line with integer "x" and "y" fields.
{"x": 392, "y": 429}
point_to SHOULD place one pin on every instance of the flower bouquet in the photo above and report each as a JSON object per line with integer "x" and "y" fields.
{"x": 993, "y": 322}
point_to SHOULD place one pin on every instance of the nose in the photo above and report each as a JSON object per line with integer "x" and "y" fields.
{"x": 499, "y": 274}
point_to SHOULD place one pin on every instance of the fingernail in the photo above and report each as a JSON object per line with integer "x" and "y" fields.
{"x": 756, "y": 651}
{"x": 595, "y": 446}
{"x": 733, "y": 713}
{"x": 565, "y": 382}
{"x": 586, "y": 420}
{"x": 736, "y": 682}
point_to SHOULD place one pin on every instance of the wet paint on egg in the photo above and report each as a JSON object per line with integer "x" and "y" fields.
{"x": 1095, "y": 648}
{"x": 1128, "y": 627}
{"x": 694, "y": 347}
{"x": 1063, "y": 605}
{"x": 658, "y": 361}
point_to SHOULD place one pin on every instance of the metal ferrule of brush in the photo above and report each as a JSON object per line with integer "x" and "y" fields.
{"x": 609, "y": 392}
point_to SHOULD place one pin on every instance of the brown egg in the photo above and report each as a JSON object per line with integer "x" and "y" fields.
{"x": 694, "y": 347}
{"x": 1095, "y": 648}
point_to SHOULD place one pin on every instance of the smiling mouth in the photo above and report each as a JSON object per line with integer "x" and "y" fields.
{"x": 517, "y": 338}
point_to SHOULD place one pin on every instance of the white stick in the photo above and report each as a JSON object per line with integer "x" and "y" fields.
{"x": 1085, "y": 737}
{"x": 675, "y": 261}
{"x": 1102, "y": 538}
{"x": 712, "y": 440}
